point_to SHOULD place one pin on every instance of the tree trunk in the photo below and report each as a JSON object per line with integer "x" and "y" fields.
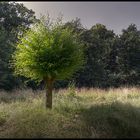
{"x": 49, "y": 88}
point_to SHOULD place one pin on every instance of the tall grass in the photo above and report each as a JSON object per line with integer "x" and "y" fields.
{"x": 76, "y": 113}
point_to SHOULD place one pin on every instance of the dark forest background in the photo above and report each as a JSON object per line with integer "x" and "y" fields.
{"x": 111, "y": 60}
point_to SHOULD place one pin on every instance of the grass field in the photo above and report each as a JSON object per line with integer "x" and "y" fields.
{"x": 93, "y": 113}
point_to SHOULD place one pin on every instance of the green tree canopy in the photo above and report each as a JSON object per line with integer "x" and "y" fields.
{"x": 99, "y": 41}
{"x": 129, "y": 56}
{"x": 14, "y": 19}
{"x": 77, "y": 28}
{"x": 48, "y": 52}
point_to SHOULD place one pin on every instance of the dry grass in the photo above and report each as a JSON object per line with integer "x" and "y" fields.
{"x": 76, "y": 113}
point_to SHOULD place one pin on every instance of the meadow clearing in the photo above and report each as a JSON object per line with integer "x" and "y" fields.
{"x": 76, "y": 113}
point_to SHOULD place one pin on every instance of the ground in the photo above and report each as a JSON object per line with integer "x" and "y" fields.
{"x": 76, "y": 113}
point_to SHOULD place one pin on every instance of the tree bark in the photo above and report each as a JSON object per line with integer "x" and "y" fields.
{"x": 49, "y": 88}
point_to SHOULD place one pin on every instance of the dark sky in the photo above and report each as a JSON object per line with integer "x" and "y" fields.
{"x": 115, "y": 15}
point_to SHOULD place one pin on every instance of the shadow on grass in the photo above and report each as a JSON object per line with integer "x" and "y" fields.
{"x": 114, "y": 120}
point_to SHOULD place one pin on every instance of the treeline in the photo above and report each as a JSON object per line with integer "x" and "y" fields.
{"x": 111, "y": 60}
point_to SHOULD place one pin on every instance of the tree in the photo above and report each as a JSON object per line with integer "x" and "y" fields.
{"x": 77, "y": 28}
{"x": 99, "y": 41}
{"x": 75, "y": 25}
{"x": 129, "y": 56}
{"x": 48, "y": 52}
{"x": 14, "y": 14}
{"x": 14, "y": 19}
{"x": 113, "y": 65}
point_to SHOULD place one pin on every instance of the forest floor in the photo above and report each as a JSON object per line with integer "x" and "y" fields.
{"x": 78, "y": 113}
